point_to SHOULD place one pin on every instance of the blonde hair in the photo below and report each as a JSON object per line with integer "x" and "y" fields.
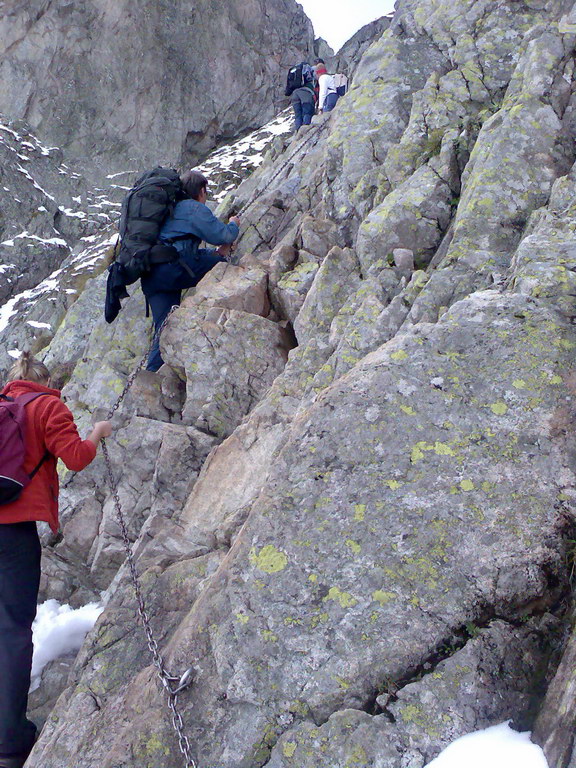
{"x": 29, "y": 369}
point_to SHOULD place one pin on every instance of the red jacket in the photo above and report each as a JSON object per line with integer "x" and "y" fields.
{"x": 49, "y": 426}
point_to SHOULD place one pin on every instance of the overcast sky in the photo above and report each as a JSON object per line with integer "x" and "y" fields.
{"x": 337, "y": 20}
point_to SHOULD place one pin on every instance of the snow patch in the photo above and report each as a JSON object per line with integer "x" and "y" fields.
{"x": 246, "y": 154}
{"x": 122, "y": 173}
{"x": 35, "y": 324}
{"x": 27, "y": 236}
{"x": 34, "y": 184}
{"x": 15, "y": 353}
{"x": 72, "y": 214}
{"x": 7, "y": 311}
{"x": 497, "y": 747}
{"x": 58, "y": 630}
{"x": 11, "y": 132}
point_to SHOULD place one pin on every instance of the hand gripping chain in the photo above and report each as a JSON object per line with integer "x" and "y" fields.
{"x": 173, "y": 685}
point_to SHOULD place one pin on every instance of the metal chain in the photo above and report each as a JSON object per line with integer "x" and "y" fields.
{"x": 257, "y": 192}
{"x": 164, "y": 676}
{"x": 167, "y": 680}
{"x": 132, "y": 378}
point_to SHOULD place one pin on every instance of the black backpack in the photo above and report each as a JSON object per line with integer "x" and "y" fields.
{"x": 298, "y": 77}
{"x": 144, "y": 209}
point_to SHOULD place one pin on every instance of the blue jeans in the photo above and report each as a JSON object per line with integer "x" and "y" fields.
{"x": 19, "y": 584}
{"x": 303, "y": 106}
{"x": 163, "y": 289}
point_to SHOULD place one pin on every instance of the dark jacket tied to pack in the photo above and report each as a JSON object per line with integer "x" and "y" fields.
{"x": 144, "y": 209}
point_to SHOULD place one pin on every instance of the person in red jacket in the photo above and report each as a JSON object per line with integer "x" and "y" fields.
{"x": 50, "y": 429}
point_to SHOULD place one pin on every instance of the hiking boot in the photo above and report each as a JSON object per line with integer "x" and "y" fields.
{"x": 15, "y": 761}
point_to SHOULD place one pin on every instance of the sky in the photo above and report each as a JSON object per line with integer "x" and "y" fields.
{"x": 337, "y": 20}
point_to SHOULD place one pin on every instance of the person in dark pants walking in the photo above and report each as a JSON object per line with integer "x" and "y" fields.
{"x": 300, "y": 88}
{"x": 191, "y": 223}
{"x": 304, "y": 105}
{"x": 50, "y": 433}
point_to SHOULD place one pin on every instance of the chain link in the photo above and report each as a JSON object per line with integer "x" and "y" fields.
{"x": 164, "y": 676}
{"x": 131, "y": 379}
{"x": 166, "y": 679}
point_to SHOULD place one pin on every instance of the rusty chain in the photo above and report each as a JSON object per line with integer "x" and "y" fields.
{"x": 173, "y": 685}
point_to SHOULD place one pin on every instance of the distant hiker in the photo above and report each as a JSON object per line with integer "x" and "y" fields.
{"x": 327, "y": 96}
{"x": 190, "y": 223}
{"x": 300, "y": 87}
{"x": 34, "y": 425}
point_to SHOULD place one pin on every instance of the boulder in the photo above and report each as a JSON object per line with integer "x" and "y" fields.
{"x": 228, "y": 359}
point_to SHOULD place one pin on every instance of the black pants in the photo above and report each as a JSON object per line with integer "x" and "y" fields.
{"x": 19, "y": 584}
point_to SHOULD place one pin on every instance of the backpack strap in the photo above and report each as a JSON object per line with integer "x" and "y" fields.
{"x": 25, "y": 399}
{"x": 42, "y": 460}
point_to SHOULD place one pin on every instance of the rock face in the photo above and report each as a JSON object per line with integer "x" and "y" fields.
{"x": 124, "y": 87}
{"x": 350, "y": 492}
{"x": 349, "y": 56}
{"x": 555, "y": 725}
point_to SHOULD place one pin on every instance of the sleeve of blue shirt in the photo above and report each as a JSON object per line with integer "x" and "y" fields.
{"x": 207, "y": 227}
{"x": 195, "y": 218}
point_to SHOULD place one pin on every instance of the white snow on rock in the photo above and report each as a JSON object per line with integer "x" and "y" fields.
{"x": 10, "y": 308}
{"x": 35, "y": 324}
{"x": 35, "y": 184}
{"x": 122, "y": 173}
{"x": 11, "y": 132}
{"x": 237, "y": 160}
{"x": 58, "y": 630}
{"x": 26, "y": 236}
{"x": 495, "y": 747}
{"x": 7, "y": 311}
{"x": 72, "y": 214}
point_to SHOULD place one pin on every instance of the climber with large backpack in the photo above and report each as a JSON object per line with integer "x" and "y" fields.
{"x": 144, "y": 210}
{"x": 190, "y": 223}
{"x": 300, "y": 87}
{"x": 36, "y": 428}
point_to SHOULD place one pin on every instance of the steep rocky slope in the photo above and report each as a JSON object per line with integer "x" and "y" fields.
{"x": 351, "y": 490}
{"x": 349, "y": 56}
{"x": 122, "y": 85}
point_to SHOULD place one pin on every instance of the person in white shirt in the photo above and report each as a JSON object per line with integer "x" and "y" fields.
{"x": 327, "y": 96}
